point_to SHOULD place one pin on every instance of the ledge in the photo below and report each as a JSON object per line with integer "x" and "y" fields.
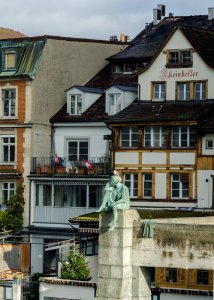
{"x": 54, "y": 280}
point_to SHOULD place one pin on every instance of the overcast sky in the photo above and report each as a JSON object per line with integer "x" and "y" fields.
{"x": 97, "y": 19}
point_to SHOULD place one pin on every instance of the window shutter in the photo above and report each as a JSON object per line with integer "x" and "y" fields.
{"x": 184, "y": 177}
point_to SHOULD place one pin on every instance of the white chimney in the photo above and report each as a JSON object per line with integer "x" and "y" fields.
{"x": 210, "y": 13}
{"x": 156, "y": 16}
{"x": 162, "y": 9}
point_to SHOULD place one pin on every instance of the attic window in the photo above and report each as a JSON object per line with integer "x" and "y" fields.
{"x": 9, "y": 60}
{"x": 76, "y": 104}
{"x": 179, "y": 58}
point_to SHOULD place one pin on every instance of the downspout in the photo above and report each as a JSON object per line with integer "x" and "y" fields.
{"x": 138, "y": 91}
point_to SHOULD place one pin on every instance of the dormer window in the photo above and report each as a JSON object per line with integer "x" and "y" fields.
{"x": 9, "y": 60}
{"x": 115, "y": 103}
{"x": 76, "y": 104}
{"x": 179, "y": 58}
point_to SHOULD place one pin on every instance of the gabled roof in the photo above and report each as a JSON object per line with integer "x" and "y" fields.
{"x": 149, "y": 40}
{"x": 86, "y": 89}
{"x": 128, "y": 88}
{"x": 168, "y": 111}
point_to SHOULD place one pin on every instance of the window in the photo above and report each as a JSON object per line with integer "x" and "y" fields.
{"x": 172, "y": 275}
{"x": 9, "y": 102}
{"x": 200, "y": 90}
{"x": 118, "y": 68}
{"x": 183, "y": 137}
{"x": 77, "y": 150}
{"x": 76, "y": 104}
{"x": 131, "y": 181}
{"x": 147, "y": 185}
{"x": 183, "y": 91}
{"x": 180, "y": 185}
{"x": 154, "y": 136}
{"x": 8, "y": 148}
{"x": 129, "y": 136}
{"x": 209, "y": 144}
{"x": 44, "y": 195}
{"x": 8, "y": 190}
{"x": 159, "y": 91}
{"x": 179, "y": 58}
{"x": 9, "y": 60}
{"x": 95, "y": 195}
{"x": 115, "y": 103}
{"x": 203, "y": 277}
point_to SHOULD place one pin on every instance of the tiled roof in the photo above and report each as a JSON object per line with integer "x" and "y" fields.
{"x": 127, "y": 88}
{"x": 87, "y": 89}
{"x": 148, "y": 41}
{"x": 167, "y": 111}
{"x": 7, "y": 33}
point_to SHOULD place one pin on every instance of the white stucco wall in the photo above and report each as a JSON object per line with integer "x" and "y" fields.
{"x": 158, "y": 71}
{"x": 126, "y": 158}
{"x": 93, "y": 133}
{"x": 168, "y": 296}
{"x": 177, "y": 158}
{"x": 66, "y": 291}
{"x": 153, "y": 158}
{"x": 160, "y": 185}
{"x": 205, "y": 183}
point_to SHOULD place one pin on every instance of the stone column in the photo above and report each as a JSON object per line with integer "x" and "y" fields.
{"x": 115, "y": 257}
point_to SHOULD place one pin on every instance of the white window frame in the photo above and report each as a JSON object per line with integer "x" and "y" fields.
{"x": 209, "y": 144}
{"x": 8, "y": 144}
{"x": 150, "y": 132}
{"x": 200, "y": 94}
{"x": 78, "y": 142}
{"x": 147, "y": 181}
{"x": 185, "y": 94}
{"x": 77, "y": 99}
{"x": 180, "y": 187}
{"x": 129, "y": 137}
{"x": 11, "y": 187}
{"x": 114, "y": 103}
{"x": 131, "y": 181}
{"x": 159, "y": 91}
{"x": 180, "y": 135}
{"x": 12, "y": 101}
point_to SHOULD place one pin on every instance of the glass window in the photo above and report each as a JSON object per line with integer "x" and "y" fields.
{"x": 171, "y": 275}
{"x": 180, "y": 57}
{"x": 174, "y": 57}
{"x": 154, "y": 136}
{"x": 209, "y": 144}
{"x": 9, "y": 60}
{"x": 76, "y": 104}
{"x": 203, "y": 277}
{"x": 43, "y": 195}
{"x": 77, "y": 150}
{"x": 95, "y": 195}
{"x": 186, "y": 57}
{"x": 8, "y": 148}
{"x": 184, "y": 91}
{"x": 179, "y": 186}
{"x": 147, "y": 185}
{"x": 115, "y": 103}
{"x": 200, "y": 90}
{"x": 131, "y": 181}
{"x": 159, "y": 91}
{"x": 9, "y": 102}
{"x": 129, "y": 136}
{"x": 183, "y": 136}
{"x": 8, "y": 190}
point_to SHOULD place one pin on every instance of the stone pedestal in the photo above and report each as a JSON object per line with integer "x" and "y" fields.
{"x": 115, "y": 273}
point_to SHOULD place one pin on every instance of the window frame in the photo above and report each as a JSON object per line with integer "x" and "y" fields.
{"x": 179, "y": 60}
{"x": 202, "y": 92}
{"x": 10, "y": 191}
{"x": 11, "y": 145}
{"x": 78, "y": 154}
{"x": 5, "y": 59}
{"x": 182, "y": 186}
{"x": 159, "y": 95}
{"x": 130, "y": 135}
{"x": 162, "y": 137}
{"x": 207, "y": 141}
{"x": 115, "y": 107}
{"x": 170, "y": 274}
{"x": 12, "y": 102}
{"x": 149, "y": 182}
{"x": 180, "y": 139}
{"x": 74, "y": 109}
{"x": 201, "y": 278}
{"x": 186, "y": 92}
{"x": 131, "y": 181}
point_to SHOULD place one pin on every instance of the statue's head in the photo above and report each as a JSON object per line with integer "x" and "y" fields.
{"x": 115, "y": 179}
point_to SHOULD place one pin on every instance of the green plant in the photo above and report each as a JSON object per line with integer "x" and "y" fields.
{"x": 75, "y": 266}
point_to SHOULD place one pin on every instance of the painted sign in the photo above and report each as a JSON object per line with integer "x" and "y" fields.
{"x": 169, "y": 74}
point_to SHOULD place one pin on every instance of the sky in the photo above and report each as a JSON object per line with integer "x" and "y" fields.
{"x": 93, "y": 19}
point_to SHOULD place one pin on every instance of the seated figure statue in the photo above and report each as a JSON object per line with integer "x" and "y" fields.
{"x": 116, "y": 196}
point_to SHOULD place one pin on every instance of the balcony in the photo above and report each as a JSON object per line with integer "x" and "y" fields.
{"x": 64, "y": 167}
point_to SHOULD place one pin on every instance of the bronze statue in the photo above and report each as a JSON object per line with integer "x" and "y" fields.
{"x": 116, "y": 196}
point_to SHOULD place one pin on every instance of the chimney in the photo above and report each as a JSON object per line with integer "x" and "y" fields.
{"x": 170, "y": 15}
{"x": 124, "y": 38}
{"x": 113, "y": 38}
{"x": 156, "y": 16}
{"x": 162, "y": 9}
{"x": 210, "y": 13}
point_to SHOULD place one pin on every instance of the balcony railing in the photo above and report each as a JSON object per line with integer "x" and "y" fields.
{"x": 62, "y": 165}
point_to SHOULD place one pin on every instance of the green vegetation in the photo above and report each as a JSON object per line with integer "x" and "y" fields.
{"x": 75, "y": 267}
{"x": 12, "y": 218}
